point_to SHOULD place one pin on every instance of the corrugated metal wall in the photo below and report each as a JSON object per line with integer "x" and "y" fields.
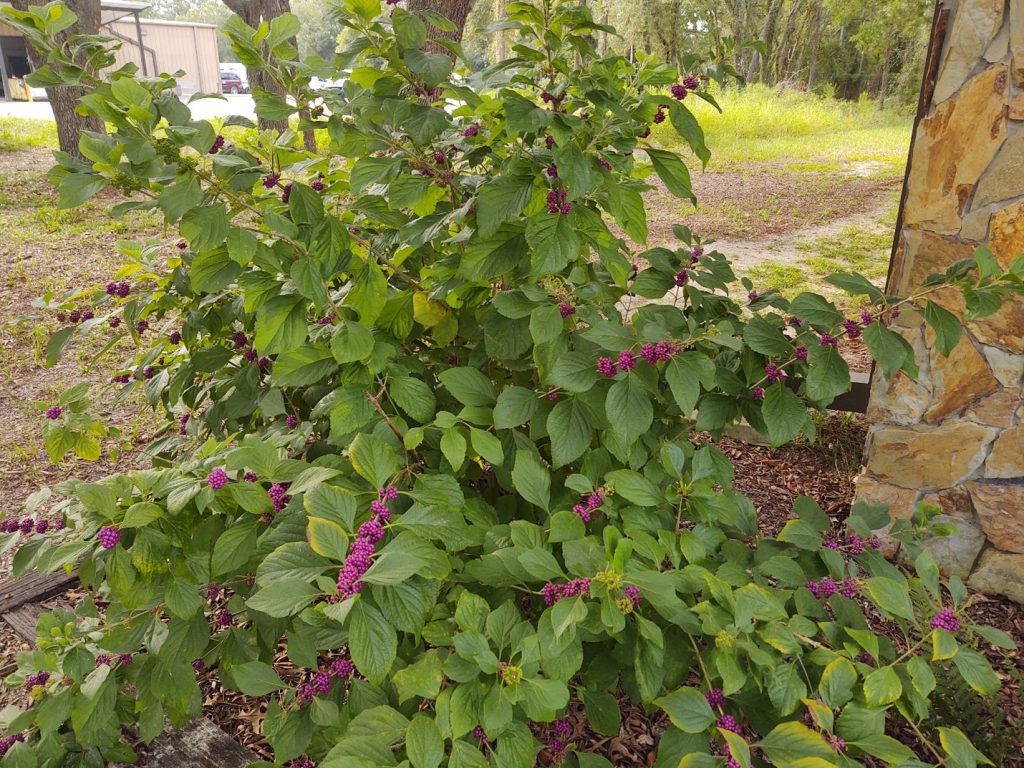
{"x": 190, "y": 47}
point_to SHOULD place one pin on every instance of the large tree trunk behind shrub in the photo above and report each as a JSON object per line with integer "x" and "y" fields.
{"x": 455, "y": 11}
{"x": 63, "y": 99}
{"x": 253, "y": 13}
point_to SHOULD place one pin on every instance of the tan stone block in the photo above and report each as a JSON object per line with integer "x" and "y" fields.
{"x": 899, "y": 400}
{"x": 1000, "y": 45}
{"x": 956, "y": 554}
{"x": 954, "y": 502}
{"x": 1006, "y": 229}
{"x": 1004, "y": 179}
{"x": 1017, "y": 40}
{"x": 900, "y": 501}
{"x": 974, "y": 27}
{"x": 1006, "y": 367}
{"x": 999, "y": 573}
{"x": 1017, "y": 106}
{"x": 957, "y": 380}
{"x": 1007, "y": 457}
{"x": 925, "y": 253}
{"x": 975, "y": 225}
{"x": 953, "y": 147}
{"x": 923, "y": 457}
{"x": 1003, "y": 329}
{"x": 1000, "y": 509}
{"x": 996, "y": 410}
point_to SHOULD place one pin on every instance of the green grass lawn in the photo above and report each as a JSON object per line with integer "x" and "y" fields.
{"x": 800, "y": 131}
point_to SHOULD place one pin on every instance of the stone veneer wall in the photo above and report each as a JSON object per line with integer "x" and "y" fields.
{"x": 955, "y": 438}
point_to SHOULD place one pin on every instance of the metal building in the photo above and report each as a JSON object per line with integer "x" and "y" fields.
{"x": 154, "y": 45}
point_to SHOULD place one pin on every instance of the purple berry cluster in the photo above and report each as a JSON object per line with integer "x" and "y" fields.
{"x": 552, "y": 593}
{"x": 716, "y": 698}
{"x": 9, "y": 741}
{"x": 471, "y": 131}
{"x": 947, "y": 620}
{"x": 76, "y": 316}
{"x": 270, "y": 180}
{"x": 365, "y": 544}
{"x": 286, "y": 192}
{"x": 828, "y": 340}
{"x": 561, "y": 734}
{"x": 183, "y": 423}
{"x": 320, "y": 682}
{"x": 278, "y": 494}
{"x": 28, "y": 525}
{"x": 558, "y": 201}
{"x": 800, "y": 353}
{"x": 217, "y": 479}
{"x": 119, "y": 289}
{"x": 114, "y": 321}
{"x": 592, "y": 502}
{"x": 659, "y": 351}
{"x": 54, "y": 412}
{"x": 223, "y": 619}
{"x": 838, "y": 743}
{"x": 292, "y": 421}
{"x": 40, "y": 678}
{"x": 634, "y": 595}
{"x": 659, "y": 116}
{"x": 727, "y": 723}
{"x": 679, "y": 91}
{"x": 565, "y": 309}
{"x": 218, "y": 145}
{"x": 774, "y": 373}
{"x": 852, "y": 328}
{"x": 552, "y": 171}
{"x": 108, "y": 536}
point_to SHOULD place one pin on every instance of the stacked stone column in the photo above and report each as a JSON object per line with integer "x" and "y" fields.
{"x": 954, "y": 438}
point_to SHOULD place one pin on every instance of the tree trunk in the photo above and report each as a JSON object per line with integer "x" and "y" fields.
{"x": 886, "y": 57}
{"x": 253, "y": 13}
{"x": 501, "y": 47}
{"x": 456, "y": 11}
{"x": 64, "y": 99}
{"x": 812, "y": 69}
{"x": 782, "y": 60}
{"x": 758, "y": 63}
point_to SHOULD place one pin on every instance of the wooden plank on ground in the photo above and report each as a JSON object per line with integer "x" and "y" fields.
{"x": 200, "y": 744}
{"x": 23, "y": 620}
{"x": 33, "y": 587}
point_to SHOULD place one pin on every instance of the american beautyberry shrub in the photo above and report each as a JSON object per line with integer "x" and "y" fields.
{"x": 430, "y": 422}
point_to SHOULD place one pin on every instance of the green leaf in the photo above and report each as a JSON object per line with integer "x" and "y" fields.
{"x": 766, "y": 337}
{"x": 372, "y": 642}
{"x": 891, "y": 350}
{"x": 790, "y": 743}
{"x": 553, "y": 241}
{"x": 351, "y": 342}
{"x": 837, "y": 682}
{"x": 686, "y": 125}
{"x": 501, "y": 200}
{"x": 828, "y": 374}
{"x": 213, "y": 271}
{"x": 570, "y": 429}
{"x": 281, "y": 325}
{"x": 688, "y": 710}
{"x": 816, "y": 310}
{"x": 532, "y": 480}
{"x": 784, "y": 413}
{"x": 891, "y": 596}
{"x": 76, "y": 188}
{"x": 327, "y": 538}
{"x": 959, "y": 750}
{"x": 487, "y": 445}
{"x": 453, "y": 446}
{"x": 671, "y": 171}
{"x": 603, "y": 714}
{"x": 856, "y": 285}
{"x": 634, "y": 487}
{"x": 882, "y": 686}
{"x": 469, "y": 386}
{"x": 516, "y": 405}
{"x": 255, "y": 678}
{"x": 302, "y": 366}
{"x": 432, "y": 67}
{"x": 976, "y": 672}
{"x": 575, "y": 371}
{"x": 373, "y": 459}
{"x": 946, "y": 326}
{"x": 629, "y": 409}
{"x": 413, "y": 396}
{"x": 283, "y": 598}
{"x": 410, "y": 32}
{"x": 423, "y": 743}
{"x": 233, "y": 549}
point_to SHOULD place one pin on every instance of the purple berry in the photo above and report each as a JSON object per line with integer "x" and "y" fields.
{"x": 626, "y": 361}
{"x": 715, "y": 698}
{"x": 108, "y": 536}
{"x": 800, "y": 353}
{"x": 471, "y": 131}
{"x": 606, "y": 366}
{"x": 217, "y": 479}
{"x": 727, "y": 723}
{"x": 947, "y": 620}
{"x": 292, "y": 421}
{"x": 757, "y": 393}
{"x": 54, "y": 412}
{"x": 270, "y": 180}
{"x": 678, "y": 91}
{"x": 42, "y": 526}
{"x": 852, "y": 328}
{"x": 565, "y": 309}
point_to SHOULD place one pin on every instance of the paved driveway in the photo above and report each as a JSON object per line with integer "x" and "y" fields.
{"x": 239, "y": 104}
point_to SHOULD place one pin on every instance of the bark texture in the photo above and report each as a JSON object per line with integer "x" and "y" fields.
{"x": 456, "y": 11}
{"x": 63, "y": 99}
{"x": 253, "y": 13}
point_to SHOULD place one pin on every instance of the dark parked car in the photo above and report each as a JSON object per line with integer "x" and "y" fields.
{"x": 232, "y": 83}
